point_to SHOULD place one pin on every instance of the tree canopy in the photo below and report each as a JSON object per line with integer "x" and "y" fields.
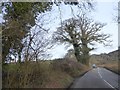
{"x": 19, "y": 18}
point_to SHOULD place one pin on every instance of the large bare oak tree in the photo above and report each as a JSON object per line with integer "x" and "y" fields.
{"x": 81, "y": 32}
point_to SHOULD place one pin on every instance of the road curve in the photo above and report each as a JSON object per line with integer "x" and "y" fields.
{"x": 97, "y": 78}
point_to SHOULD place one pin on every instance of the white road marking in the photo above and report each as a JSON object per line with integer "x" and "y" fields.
{"x": 99, "y": 73}
{"x": 108, "y": 84}
{"x": 105, "y": 80}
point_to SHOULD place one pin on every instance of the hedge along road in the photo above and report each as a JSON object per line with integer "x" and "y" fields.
{"x": 98, "y": 78}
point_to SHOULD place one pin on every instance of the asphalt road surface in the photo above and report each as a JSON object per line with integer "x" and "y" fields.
{"x": 97, "y": 78}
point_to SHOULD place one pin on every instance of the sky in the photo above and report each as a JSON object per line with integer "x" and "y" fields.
{"x": 105, "y": 11}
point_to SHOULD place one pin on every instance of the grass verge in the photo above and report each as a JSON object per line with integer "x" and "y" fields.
{"x": 112, "y": 66}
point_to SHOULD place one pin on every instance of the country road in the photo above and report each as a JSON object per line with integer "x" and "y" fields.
{"x": 97, "y": 78}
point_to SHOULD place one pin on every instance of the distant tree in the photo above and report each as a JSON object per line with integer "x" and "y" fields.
{"x": 119, "y": 53}
{"x": 69, "y": 53}
{"x": 81, "y": 32}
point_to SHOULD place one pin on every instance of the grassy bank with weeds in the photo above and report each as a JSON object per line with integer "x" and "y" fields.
{"x": 113, "y": 66}
{"x": 44, "y": 74}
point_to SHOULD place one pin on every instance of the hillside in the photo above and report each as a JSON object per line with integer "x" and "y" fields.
{"x": 104, "y": 58}
{"x": 109, "y": 61}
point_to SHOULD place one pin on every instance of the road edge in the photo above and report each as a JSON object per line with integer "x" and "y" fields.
{"x": 111, "y": 70}
{"x": 77, "y": 78}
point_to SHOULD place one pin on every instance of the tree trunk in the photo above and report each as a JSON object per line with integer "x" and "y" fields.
{"x": 85, "y": 52}
{"x": 77, "y": 52}
{"x": 36, "y": 58}
{"x": 85, "y": 58}
{"x": 3, "y": 58}
{"x": 19, "y": 57}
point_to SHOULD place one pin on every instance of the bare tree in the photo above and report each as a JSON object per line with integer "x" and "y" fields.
{"x": 81, "y": 32}
{"x": 36, "y": 44}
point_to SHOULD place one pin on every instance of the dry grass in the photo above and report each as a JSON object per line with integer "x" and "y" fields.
{"x": 58, "y": 79}
{"x": 26, "y": 75}
{"x": 113, "y": 66}
{"x": 47, "y": 74}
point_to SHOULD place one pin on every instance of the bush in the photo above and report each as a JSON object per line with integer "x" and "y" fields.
{"x": 27, "y": 75}
{"x": 69, "y": 66}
